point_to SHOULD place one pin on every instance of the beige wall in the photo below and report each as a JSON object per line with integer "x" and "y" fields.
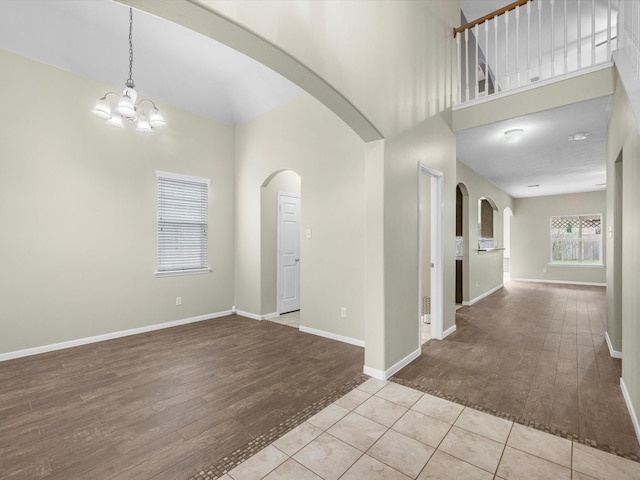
{"x": 483, "y": 271}
{"x": 304, "y": 136}
{"x": 530, "y": 237}
{"x": 79, "y": 202}
{"x": 432, "y": 143}
{"x": 286, "y": 181}
{"x": 392, "y": 59}
{"x": 623, "y": 327}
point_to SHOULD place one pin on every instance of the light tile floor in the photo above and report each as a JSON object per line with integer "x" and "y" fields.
{"x": 386, "y": 431}
{"x": 291, "y": 319}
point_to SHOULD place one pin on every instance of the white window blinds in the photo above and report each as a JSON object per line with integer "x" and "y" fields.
{"x": 182, "y": 223}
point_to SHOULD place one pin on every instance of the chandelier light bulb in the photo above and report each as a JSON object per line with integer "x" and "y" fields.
{"x": 115, "y": 121}
{"x": 102, "y": 109}
{"x": 143, "y": 124}
{"x": 127, "y": 106}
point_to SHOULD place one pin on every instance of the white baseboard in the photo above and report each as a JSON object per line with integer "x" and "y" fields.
{"x": 389, "y": 372}
{"x": 485, "y": 294}
{"x": 562, "y": 282}
{"x": 632, "y": 412}
{"x": 612, "y": 352}
{"x": 332, "y": 336}
{"x": 108, "y": 336}
{"x": 255, "y": 316}
{"x": 449, "y": 331}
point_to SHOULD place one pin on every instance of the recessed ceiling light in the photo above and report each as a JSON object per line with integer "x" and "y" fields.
{"x": 513, "y": 135}
{"x": 578, "y": 136}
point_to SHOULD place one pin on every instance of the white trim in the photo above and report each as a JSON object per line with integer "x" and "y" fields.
{"x": 437, "y": 256}
{"x": 485, "y": 294}
{"x": 391, "y": 371}
{"x": 448, "y": 331}
{"x": 332, "y": 336}
{"x": 632, "y": 412}
{"x": 253, "y": 316}
{"x": 533, "y": 85}
{"x": 612, "y": 352}
{"x": 538, "y": 280}
{"x": 108, "y": 336}
{"x": 269, "y": 316}
{"x": 180, "y": 176}
{"x": 176, "y": 273}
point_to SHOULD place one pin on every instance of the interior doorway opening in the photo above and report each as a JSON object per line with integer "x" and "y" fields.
{"x": 430, "y": 256}
{"x": 506, "y": 231}
{"x": 280, "y": 256}
{"x": 462, "y": 241}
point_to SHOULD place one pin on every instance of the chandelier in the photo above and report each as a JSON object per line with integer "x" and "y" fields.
{"x": 115, "y": 108}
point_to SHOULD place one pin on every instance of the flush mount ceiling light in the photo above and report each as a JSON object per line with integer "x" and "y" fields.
{"x": 578, "y": 136}
{"x": 113, "y": 108}
{"x": 512, "y": 136}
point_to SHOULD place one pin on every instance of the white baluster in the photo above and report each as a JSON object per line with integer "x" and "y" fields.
{"x": 496, "y": 77}
{"x": 506, "y": 50}
{"x": 579, "y": 37}
{"x": 553, "y": 40}
{"x": 517, "y": 46}
{"x": 475, "y": 71}
{"x": 608, "y": 31}
{"x": 459, "y": 62}
{"x": 540, "y": 39}
{"x": 566, "y": 49}
{"x": 529, "y": 43}
{"x": 593, "y": 32}
{"x": 468, "y": 64}
{"x": 486, "y": 57}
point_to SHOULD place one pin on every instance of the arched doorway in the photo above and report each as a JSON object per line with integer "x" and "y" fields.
{"x": 280, "y": 212}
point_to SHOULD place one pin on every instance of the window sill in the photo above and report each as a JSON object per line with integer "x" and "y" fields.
{"x": 578, "y": 265}
{"x": 177, "y": 273}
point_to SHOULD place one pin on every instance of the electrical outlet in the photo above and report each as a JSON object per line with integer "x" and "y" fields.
{"x": 343, "y": 312}
{"x": 178, "y": 300}
{"x": 308, "y": 234}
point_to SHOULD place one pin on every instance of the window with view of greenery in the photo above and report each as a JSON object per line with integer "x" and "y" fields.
{"x": 576, "y": 240}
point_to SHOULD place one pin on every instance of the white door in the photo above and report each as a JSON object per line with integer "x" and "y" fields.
{"x": 288, "y": 252}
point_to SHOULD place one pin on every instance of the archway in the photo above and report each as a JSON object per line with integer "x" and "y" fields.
{"x": 278, "y": 185}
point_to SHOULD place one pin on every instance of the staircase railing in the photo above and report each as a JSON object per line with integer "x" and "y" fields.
{"x": 529, "y": 41}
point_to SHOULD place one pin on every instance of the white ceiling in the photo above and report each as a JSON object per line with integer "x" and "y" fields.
{"x": 172, "y": 64}
{"x": 544, "y": 156}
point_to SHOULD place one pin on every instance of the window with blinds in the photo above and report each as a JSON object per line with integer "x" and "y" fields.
{"x": 182, "y": 224}
{"x": 576, "y": 240}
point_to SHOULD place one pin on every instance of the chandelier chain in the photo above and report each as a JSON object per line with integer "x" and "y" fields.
{"x": 130, "y": 80}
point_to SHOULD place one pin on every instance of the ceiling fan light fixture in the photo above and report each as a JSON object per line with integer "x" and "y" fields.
{"x": 513, "y": 135}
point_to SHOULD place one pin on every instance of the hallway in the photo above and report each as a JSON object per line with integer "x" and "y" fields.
{"x": 536, "y": 354}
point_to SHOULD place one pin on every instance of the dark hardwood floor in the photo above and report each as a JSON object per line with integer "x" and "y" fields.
{"x": 162, "y": 404}
{"x": 536, "y": 352}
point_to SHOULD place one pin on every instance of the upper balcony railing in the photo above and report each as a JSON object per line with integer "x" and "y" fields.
{"x": 530, "y": 41}
{"x": 630, "y": 32}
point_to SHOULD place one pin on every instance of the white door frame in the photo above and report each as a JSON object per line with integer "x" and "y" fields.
{"x": 437, "y": 256}
{"x": 278, "y": 262}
